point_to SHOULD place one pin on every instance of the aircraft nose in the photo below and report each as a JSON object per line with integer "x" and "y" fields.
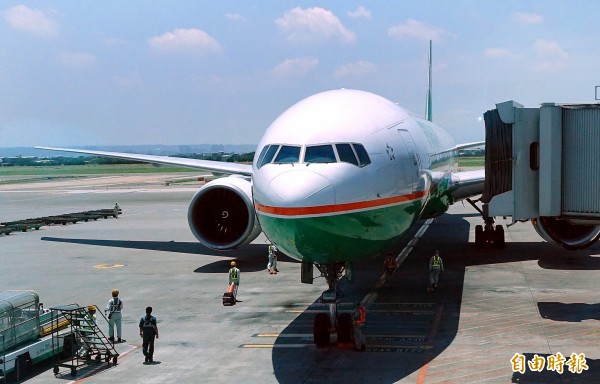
{"x": 302, "y": 188}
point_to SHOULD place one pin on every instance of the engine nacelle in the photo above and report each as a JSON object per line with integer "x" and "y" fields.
{"x": 221, "y": 214}
{"x": 566, "y": 234}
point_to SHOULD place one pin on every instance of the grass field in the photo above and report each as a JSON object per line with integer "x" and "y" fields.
{"x": 90, "y": 170}
{"x": 478, "y": 161}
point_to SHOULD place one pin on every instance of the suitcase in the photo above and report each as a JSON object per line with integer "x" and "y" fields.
{"x": 228, "y": 297}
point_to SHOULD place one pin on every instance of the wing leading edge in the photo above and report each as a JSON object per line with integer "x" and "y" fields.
{"x": 209, "y": 165}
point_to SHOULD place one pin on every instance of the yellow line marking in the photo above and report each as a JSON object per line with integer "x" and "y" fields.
{"x": 104, "y": 266}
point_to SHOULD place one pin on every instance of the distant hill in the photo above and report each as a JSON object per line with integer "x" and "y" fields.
{"x": 158, "y": 149}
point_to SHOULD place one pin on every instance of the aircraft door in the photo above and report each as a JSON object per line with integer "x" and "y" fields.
{"x": 414, "y": 159}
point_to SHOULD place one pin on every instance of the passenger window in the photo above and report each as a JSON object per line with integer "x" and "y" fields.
{"x": 319, "y": 154}
{"x": 288, "y": 154}
{"x": 363, "y": 156}
{"x": 346, "y": 153}
{"x": 268, "y": 155}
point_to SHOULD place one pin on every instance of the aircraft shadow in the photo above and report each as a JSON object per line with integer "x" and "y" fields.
{"x": 573, "y": 312}
{"x": 449, "y": 234}
{"x": 251, "y": 258}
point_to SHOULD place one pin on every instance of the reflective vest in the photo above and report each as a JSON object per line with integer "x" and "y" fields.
{"x": 361, "y": 316}
{"x": 437, "y": 262}
{"x": 234, "y": 274}
{"x": 271, "y": 249}
{"x": 390, "y": 262}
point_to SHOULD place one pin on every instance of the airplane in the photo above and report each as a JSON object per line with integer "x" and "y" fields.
{"x": 339, "y": 177}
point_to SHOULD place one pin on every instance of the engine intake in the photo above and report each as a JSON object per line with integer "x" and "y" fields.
{"x": 564, "y": 233}
{"x": 221, "y": 214}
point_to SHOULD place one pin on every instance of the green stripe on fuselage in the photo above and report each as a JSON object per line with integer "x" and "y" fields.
{"x": 349, "y": 236}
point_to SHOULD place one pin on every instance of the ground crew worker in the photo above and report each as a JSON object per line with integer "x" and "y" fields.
{"x": 117, "y": 209}
{"x": 234, "y": 278}
{"x": 87, "y": 328}
{"x": 435, "y": 266}
{"x": 390, "y": 263}
{"x": 360, "y": 322}
{"x": 113, "y": 309}
{"x": 148, "y": 331}
{"x": 272, "y": 265}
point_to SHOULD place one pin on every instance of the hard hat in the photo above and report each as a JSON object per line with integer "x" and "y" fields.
{"x": 91, "y": 308}
{"x": 233, "y": 263}
{"x": 115, "y": 292}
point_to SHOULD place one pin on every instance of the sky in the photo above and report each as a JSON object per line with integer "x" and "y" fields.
{"x": 80, "y": 73}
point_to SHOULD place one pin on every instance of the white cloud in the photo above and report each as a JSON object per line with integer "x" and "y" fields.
{"x": 295, "y": 67}
{"x": 527, "y": 18}
{"x": 359, "y": 68}
{"x": 497, "y": 52}
{"x": 31, "y": 20}
{"x": 185, "y": 40}
{"x": 550, "y": 55}
{"x": 360, "y": 13}
{"x": 235, "y": 17}
{"x": 416, "y": 29}
{"x": 313, "y": 25}
{"x": 77, "y": 60}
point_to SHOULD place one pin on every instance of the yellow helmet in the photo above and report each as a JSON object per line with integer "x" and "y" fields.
{"x": 115, "y": 292}
{"x": 233, "y": 263}
{"x": 91, "y": 308}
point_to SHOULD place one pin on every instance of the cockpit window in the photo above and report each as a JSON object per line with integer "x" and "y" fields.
{"x": 319, "y": 154}
{"x": 346, "y": 154}
{"x": 288, "y": 154}
{"x": 266, "y": 156}
{"x": 363, "y": 156}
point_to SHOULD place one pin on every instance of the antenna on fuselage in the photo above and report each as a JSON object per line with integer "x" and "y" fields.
{"x": 428, "y": 99}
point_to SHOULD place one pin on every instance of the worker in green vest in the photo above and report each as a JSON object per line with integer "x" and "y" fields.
{"x": 436, "y": 265}
{"x": 272, "y": 265}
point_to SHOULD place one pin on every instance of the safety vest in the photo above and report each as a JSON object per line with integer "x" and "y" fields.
{"x": 234, "y": 274}
{"x": 390, "y": 262}
{"x": 362, "y": 315}
{"x": 437, "y": 262}
{"x": 271, "y": 249}
{"x": 115, "y": 305}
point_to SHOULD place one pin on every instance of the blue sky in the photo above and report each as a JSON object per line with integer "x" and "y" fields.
{"x": 189, "y": 72}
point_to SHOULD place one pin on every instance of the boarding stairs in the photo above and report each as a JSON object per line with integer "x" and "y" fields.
{"x": 86, "y": 343}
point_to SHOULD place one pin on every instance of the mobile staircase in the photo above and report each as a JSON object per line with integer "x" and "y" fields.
{"x": 85, "y": 344}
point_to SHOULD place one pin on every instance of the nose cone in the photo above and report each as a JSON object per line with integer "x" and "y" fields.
{"x": 301, "y": 188}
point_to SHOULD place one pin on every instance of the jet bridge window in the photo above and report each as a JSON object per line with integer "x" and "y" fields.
{"x": 288, "y": 154}
{"x": 319, "y": 154}
{"x": 346, "y": 153}
{"x": 266, "y": 155}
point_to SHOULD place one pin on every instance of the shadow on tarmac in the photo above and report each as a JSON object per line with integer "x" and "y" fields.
{"x": 573, "y": 312}
{"x": 252, "y": 258}
{"x": 449, "y": 234}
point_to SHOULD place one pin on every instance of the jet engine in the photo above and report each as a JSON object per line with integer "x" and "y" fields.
{"x": 221, "y": 214}
{"x": 562, "y": 232}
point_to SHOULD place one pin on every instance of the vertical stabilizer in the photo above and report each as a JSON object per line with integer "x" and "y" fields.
{"x": 428, "y": 101}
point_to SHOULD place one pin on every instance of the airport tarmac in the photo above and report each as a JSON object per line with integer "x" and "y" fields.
{"x": 528, "y": 299}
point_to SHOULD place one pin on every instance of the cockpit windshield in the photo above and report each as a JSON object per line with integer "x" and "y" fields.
{"x": 287, "y": 154}
{"x": 319, "y": 154}
{"x": 352, "y": 153}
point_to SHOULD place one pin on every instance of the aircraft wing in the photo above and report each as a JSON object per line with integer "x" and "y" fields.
{"x": 466, "y": 184}
{"x": 213, "y": 166}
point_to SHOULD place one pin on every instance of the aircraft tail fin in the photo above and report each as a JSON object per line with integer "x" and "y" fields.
{"x": 428, "y": 97}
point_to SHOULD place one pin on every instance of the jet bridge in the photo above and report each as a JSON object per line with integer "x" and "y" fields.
{"x": 543, "y": 164}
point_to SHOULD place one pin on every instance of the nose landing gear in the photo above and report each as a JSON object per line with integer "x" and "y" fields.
{"x": 330, "y": 323}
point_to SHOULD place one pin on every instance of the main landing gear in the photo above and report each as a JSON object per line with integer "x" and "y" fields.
{"x": 330, "y": 323}
{"x": 488, "y": 234}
